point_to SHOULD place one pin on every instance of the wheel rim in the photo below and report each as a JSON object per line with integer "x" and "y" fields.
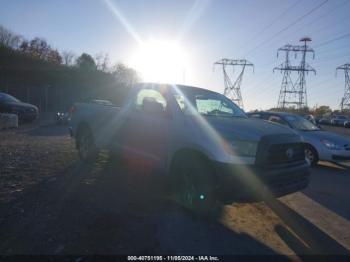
{"x": 188, "y": 190}
{"x": 309, "y": 155}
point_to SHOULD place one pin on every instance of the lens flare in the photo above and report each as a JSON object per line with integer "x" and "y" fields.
{"x": 160, "y": 61}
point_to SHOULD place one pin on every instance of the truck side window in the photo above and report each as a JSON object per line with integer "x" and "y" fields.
{"x": 212, "y": 106}
{"x": 149, "y": 95}
{"x": 277, "y": 119}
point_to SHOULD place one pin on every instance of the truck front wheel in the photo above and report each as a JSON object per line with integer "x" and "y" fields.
{"x": 194, "y": 186}
{"x": 86, "y": 145}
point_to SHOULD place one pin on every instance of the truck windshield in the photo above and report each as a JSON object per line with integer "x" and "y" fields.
{"x": 208, "y": 103}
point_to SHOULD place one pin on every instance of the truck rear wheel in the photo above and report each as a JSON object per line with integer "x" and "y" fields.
{"x": 194, "y": 186}
{"x": 86, "y": 145}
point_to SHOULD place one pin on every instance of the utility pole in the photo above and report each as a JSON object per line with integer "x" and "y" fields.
{"x": 294, "y": 93}
{"x": 345, "y": 101}
{"x": 233, "y": 89}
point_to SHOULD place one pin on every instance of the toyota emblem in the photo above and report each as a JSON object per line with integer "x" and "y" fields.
{"x": 290, "y": 153}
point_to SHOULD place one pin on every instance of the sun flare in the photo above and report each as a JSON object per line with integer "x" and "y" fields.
{"x": 160, "y": 61}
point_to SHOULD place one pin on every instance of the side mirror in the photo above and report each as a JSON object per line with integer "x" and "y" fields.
{"x": 150, "y": 105}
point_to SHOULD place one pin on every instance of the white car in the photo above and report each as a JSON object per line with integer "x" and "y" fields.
{"x": 339, "y": 120}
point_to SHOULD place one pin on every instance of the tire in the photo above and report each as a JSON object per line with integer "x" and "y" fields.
{"x": 311, "y": 155}
{"x": 86, "y": 145}
{"x": 194, "y": 185}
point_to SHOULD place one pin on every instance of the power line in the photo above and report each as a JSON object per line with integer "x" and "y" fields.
{"x": 263, "y": 30}
{"x": 288, "y": 26}
{"x": 320, "y": 60}
{"x": 331, "y": 25}
{"x": 324, "y": 15}
{"x": 320, "y": 53}
{"x": 333, "y": 40}
{"x": 271, "y": 23}
{"x": 270, "y": 87}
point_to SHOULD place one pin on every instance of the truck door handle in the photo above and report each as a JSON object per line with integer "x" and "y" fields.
{"x": 127, "y": 119}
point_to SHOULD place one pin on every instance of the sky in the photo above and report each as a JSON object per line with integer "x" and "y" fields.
{"x": 206, "y": 31}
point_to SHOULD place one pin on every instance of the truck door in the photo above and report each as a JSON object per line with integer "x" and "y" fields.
{"x": 146, "y": 129}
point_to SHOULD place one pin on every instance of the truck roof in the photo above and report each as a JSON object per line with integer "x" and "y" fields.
{"x": 273, "y": 112}
{"x": 182, "y": 87}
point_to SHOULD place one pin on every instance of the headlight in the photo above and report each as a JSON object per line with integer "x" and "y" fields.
{"x": 241, "y": 148}
{"x": 16, "y": 109}
{"x": 331, "y": 145}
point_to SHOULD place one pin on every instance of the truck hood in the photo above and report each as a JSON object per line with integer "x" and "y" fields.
{"x": 250, "y": 129}
{"x": 21, "y": 105}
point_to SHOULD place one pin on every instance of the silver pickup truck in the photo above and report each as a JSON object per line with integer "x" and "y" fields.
{"x": 205, "y": 145}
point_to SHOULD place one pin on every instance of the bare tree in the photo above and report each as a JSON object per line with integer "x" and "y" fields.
{"x": 125, "y": 75}
{"x": 98, "y": 60}
{"x": 68, "y": 58}
{"x": 105, "y": 63}
{"x": 9, "y": 39}
{"x": 102, "y": 62}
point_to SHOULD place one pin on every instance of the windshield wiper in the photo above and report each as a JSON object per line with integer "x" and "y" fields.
{"x": 221, "y": 115}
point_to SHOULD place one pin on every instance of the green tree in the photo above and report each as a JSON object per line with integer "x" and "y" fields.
{"x": 125, "y": 75}
{"x": 38, "y": 48}
{"x": 321, "y": 110}
{"x": 54, "y": 57}
{"x": 86, "y": 62}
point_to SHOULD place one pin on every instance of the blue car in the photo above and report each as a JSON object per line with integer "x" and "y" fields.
{"x": 26, "y": 112}
{"x": 321, "y": 144}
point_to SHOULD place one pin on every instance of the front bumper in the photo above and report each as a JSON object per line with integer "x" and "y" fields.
{"x": 340, "y": 154}
{"x": 27, "y": 116}
{"x": 252, "y": 182}
{"x": 341, "y": 157}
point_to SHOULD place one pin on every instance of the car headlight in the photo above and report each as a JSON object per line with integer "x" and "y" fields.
{"x": 241, "y": 148}
{"x": 331, "y": 145}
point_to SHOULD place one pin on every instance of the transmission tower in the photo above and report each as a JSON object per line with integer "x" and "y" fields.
{"x": 233, "y": 89}
{"x": 294, "y": 92}
{"x": 345, "y": 102}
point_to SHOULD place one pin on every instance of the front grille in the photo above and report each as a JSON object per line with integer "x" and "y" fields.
{"x": 30, "y": 110}
{"x": 278, "y": 151}
{"x": 285, "y": 153}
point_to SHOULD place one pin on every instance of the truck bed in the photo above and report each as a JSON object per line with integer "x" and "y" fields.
{"x": 101, "y": 118}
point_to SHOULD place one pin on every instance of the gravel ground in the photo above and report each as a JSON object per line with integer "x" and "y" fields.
{"x": 51, "y": 203}
{"x": 29, "y": 154}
